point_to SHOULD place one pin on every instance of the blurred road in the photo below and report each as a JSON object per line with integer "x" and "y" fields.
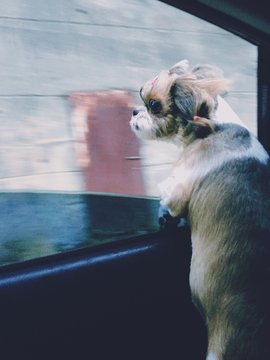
{"x": 52, "y": 49}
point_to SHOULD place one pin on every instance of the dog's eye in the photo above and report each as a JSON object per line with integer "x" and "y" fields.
{"x": 155, "y": 106}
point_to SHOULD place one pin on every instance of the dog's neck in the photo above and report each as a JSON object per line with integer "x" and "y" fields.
{"x": 197, "y": 129}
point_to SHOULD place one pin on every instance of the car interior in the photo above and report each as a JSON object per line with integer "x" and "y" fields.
{"x": 108, "y": 283}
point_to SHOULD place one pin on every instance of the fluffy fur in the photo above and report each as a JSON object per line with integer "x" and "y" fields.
{"x": 221, "y": 185}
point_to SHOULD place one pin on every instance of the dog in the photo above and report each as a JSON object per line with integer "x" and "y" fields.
{"x": 221, "y": 186}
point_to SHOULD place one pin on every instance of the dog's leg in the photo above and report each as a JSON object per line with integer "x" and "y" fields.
{"x": 174, "y": 196}
{"x": 212, "y": 356}
{"x": 173, "y": 202}
{"x": 166, "y": 221}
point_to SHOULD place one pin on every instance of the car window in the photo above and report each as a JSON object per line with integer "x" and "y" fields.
{"x": 70, "y": 74}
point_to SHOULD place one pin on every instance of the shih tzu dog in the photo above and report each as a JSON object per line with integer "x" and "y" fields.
{"x": 221, "y": 185}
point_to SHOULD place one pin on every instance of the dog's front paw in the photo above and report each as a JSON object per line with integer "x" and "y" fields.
{"x": 165, "y": 219}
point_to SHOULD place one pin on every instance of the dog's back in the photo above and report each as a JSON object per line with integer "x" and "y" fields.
{"x": 229, "y": 214}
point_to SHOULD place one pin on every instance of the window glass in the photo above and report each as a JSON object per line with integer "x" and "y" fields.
{"x": 70, "y": 74}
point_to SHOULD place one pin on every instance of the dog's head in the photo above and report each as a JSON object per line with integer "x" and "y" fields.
{"x": 174, "y": 98}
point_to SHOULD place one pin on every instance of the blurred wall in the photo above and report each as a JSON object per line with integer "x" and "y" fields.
{"x": 51, "y": 49}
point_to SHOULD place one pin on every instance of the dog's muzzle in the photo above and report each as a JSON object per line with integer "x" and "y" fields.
{"x": 137, "y": 114}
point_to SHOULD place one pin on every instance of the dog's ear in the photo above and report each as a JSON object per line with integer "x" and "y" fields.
{"x": 211, "y": 79}
{"x": 209, "y": 76}
{"x": 179, "y": 68}
{"x": 196, "y": 97}
{"x": 207, "y": 71}
{"x": 192, "y": 90}
{"x": 215, "y": 86}
{"x": 184, "y": 100}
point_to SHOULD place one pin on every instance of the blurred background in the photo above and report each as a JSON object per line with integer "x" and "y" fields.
{"x": 70, "y": 71}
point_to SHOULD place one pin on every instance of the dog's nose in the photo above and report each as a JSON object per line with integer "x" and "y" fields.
{"x": 135, "y": 112}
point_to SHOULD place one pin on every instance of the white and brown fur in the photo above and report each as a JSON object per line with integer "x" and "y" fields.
{"x": 221, "y": 184}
